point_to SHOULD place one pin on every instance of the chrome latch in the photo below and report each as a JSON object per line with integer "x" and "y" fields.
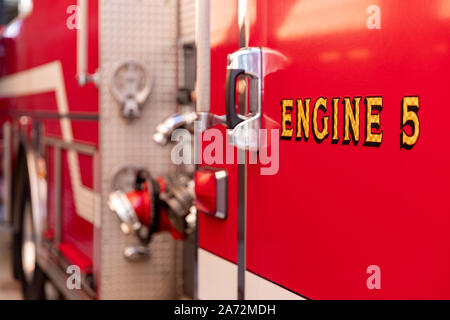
{"x": 244, "y": 130}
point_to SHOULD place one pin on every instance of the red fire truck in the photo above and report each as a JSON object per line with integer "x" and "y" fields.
{"x": 359, "y": 206}
{"x": 84, "y": 86}
{"x": 319, "y": 166}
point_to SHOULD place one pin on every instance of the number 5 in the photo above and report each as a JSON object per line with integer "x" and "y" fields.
{"x": 410, "y": 107}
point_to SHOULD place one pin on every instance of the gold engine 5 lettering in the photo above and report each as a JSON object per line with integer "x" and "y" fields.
{"x": 327, "y": 114}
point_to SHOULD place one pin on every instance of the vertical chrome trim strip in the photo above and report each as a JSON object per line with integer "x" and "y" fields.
{"x": 242, "y": 165}
{"x": 243, "y": 23}
{"x": 202, "y": 8}
{"x": 96, "y": 268}
{"x": 57, "y": 193}
{"x": 242, "y": 221}
{"x": 203, "y": 55}
{"x": 100, "y": 172}
{"x": 196, "y": 278}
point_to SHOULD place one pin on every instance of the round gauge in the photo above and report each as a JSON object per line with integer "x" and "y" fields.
{"x": 131, "y": 86}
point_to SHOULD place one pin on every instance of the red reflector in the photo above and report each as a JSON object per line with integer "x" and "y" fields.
{"x": 211, "y": 191}
{"x": 76, "y": 257}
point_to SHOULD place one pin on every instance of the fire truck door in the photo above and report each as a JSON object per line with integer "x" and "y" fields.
{"x": 350, "y": 200}
{"x": 217, "y": 234}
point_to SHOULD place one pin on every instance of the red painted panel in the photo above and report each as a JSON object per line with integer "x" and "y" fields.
{"x": 220, "y": 236}
{"x": 75, "y": 230}
{"x": 76, "y": 257}
{"x": 333, "y": 210}
{"x": 43, "y": 37}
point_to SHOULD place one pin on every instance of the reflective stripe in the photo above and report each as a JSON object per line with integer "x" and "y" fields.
{"x": 258, "y": 288}
{"x": 49, "y": 78}
{"x": 217, "y": 277}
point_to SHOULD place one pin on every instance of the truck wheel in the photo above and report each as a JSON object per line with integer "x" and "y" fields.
{"x": 30, "y": 275}
{"x": 17, "y": 199}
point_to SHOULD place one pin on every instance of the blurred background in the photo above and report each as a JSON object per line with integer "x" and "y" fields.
{"x": 9, "y": 287}
{"x": 120, "y": 212}
{"x": 8, "y": 10}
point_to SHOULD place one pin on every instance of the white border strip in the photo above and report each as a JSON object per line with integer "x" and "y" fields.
{"x": 217, "y": 277}
{"x": 217, "y": 280}
{"x": 257, "y": 288}
{"x": 49, "y": 78}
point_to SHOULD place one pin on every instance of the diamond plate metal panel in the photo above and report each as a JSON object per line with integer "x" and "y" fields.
{"x": 142, "y": 30}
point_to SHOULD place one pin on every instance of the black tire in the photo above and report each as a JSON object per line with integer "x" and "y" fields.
{"x": 33, "y": 282}
{"x": 16, "y": 199}
{"x": 15, "y": 255}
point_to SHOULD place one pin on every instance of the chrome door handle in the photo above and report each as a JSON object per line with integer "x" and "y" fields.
{"x": 243, "y": 130}
{"x": 230, "y": 97}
